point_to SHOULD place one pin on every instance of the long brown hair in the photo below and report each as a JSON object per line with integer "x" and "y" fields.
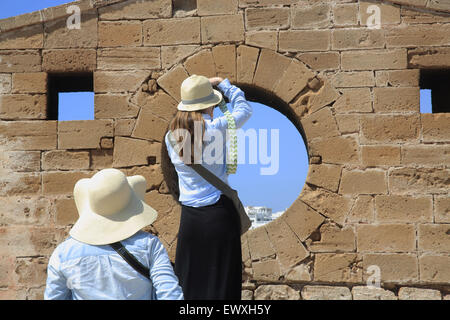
{"x": 186, "y": 120}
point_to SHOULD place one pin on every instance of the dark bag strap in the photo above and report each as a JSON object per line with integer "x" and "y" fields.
{"x": 132, "y": 261}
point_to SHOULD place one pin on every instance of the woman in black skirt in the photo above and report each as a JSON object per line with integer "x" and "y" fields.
{"x": 208, "y": 259}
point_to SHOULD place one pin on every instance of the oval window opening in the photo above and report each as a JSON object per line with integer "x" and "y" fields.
{"x": 272, "y": 164}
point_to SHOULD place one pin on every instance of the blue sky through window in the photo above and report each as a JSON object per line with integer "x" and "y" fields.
{"x": 75, "y": 106}
{"x": 425, "y": 101}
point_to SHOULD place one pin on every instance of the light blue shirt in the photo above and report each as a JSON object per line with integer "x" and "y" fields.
{"x": 79, "y": 271}
{"x": 194, "y": 190}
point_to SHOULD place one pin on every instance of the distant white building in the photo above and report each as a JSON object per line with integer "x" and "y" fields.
{"x": 261, "y": 215}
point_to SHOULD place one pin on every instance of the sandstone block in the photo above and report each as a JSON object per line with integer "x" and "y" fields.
{"x": 247, "y": 3}
{"x": 347, "y": 123}
{"x": 380, "y": 155}
{"x": 386, "y": 238}
{"x": 389, "y": 267}
{"x": 119, "y": 34}
{"x": 134, "y": 152}
{"x": 65, "y": 160}
{"x": 326, "y": 293}
{"x": 20, "y": 61}
{"x": 319, "y": 61}
{"x": 201, "y": 63}
{"x": 432, "y": 58}
{"x": 170, "y": 55}
{"x": 324, "y": 175}
{"x": 406, "y": 209}
{"x": 435, "y": 126}
{"x": 66, "y": 212}
{"x": 338, "y": 150}
{"x": 149, "y": 127}
{"x": 442, "y": 209}
{"x": 124, "y": 127}
{"x": 418, "y": 35}
{"x": 30, "y": 82}
{"x": 344, "y": 39}
{"x": 216, "y": 7}
{"x": 329, "y": 204}
{"x": 65, "y": 60}
{"x": 5, "y": 83}
{"x": 333, "y": 239}
{"x": 262, "y": 39}
{"x": 306, "y": 16}
{"x": 160, "y": 104}
{"x": 101, "y": 158}
{"x": 57, "y": 35}
{"x": 372, "y": 293}
{"x": 136, "y": 10}
{"x": 21, "y": 161}
{"x": 434, "y": 238}
{"x": 212, "y": 29}
{"x": 118, "y": 81}
{"x": 323, "y": 97}
{"x": 171, "y": 81}
{"x": 129, "y": 59}
{"x": 302, "y": 219}
{"x": 267, "y": 18}
{"x": 434, "y": 268}
{"x": 294, "y": 80}
{"x": 276, "y": 292}
{"x": 31, "y": 271}
{"x": 59, "y": 182}
{"x": 369, "y": 181}
{"x": 289, "y": 249}
{"x": 259, "y": 244}
{"x": 225, "y": 61}
{"x": 246, "y": 60}
{"x": 377, "y": 59}
{"x": 111, "y": 106}
{"x": 83, "y": 134}
{"x": 354, "y": 100}
{"x": 391, "y": 99}
{"x": 268, "y": 270}
{"x": 345, "y": 14}
{"x": 389, "y": 128}
{"x": 338, "y": 267}
{"x": 23, "y": 106}
{"x": 426, "y": 155}
{"x": 152, "y": 174}
{"x": 28, "y": 37}
{"x": 407, "y": 293}
{"x": 270, "y": 69}
{"x": 29, "y": 135}
{"x": 20, "y": 184}
{"x": 348, "y": 79}
{"x": 320, "y": 124}
{"x": 397, "y": 78}
{"x": 167, "y": 31}
{"x": 363, "y": 210}
{"x": 418, "y": 180}
{"x": 304, "y": 40}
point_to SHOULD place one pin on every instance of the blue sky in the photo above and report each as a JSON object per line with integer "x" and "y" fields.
{"x": 275, "y": 191}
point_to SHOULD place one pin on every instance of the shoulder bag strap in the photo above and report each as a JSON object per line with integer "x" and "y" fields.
{"x": 132, "y": 261}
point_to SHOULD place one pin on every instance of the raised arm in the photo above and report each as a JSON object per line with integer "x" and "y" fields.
{"x": 241, "y": 109}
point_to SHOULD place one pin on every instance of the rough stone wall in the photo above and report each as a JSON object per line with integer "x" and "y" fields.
{"x": 377, "y": 190}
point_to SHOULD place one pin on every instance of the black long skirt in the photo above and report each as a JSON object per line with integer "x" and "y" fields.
{"x": 208, "y": 260}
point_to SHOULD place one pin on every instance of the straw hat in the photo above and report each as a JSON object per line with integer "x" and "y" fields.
{"x": 111, "y": 207}
{"x": 197, "y": 93}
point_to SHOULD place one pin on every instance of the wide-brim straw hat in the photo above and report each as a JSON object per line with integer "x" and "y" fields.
{"x": 111, "y": 207}
{"x": 197, "y": 93}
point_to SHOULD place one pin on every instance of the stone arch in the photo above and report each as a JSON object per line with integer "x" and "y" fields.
{"x": 307, "y": 99}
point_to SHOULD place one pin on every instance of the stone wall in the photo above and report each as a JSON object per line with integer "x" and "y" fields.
{"x": 377, "y": 191}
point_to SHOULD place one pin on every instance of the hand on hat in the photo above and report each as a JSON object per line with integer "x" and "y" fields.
{"x": 215, "y": 80}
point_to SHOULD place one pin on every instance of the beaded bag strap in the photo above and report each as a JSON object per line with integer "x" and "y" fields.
{"x": 232, "y": 153}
